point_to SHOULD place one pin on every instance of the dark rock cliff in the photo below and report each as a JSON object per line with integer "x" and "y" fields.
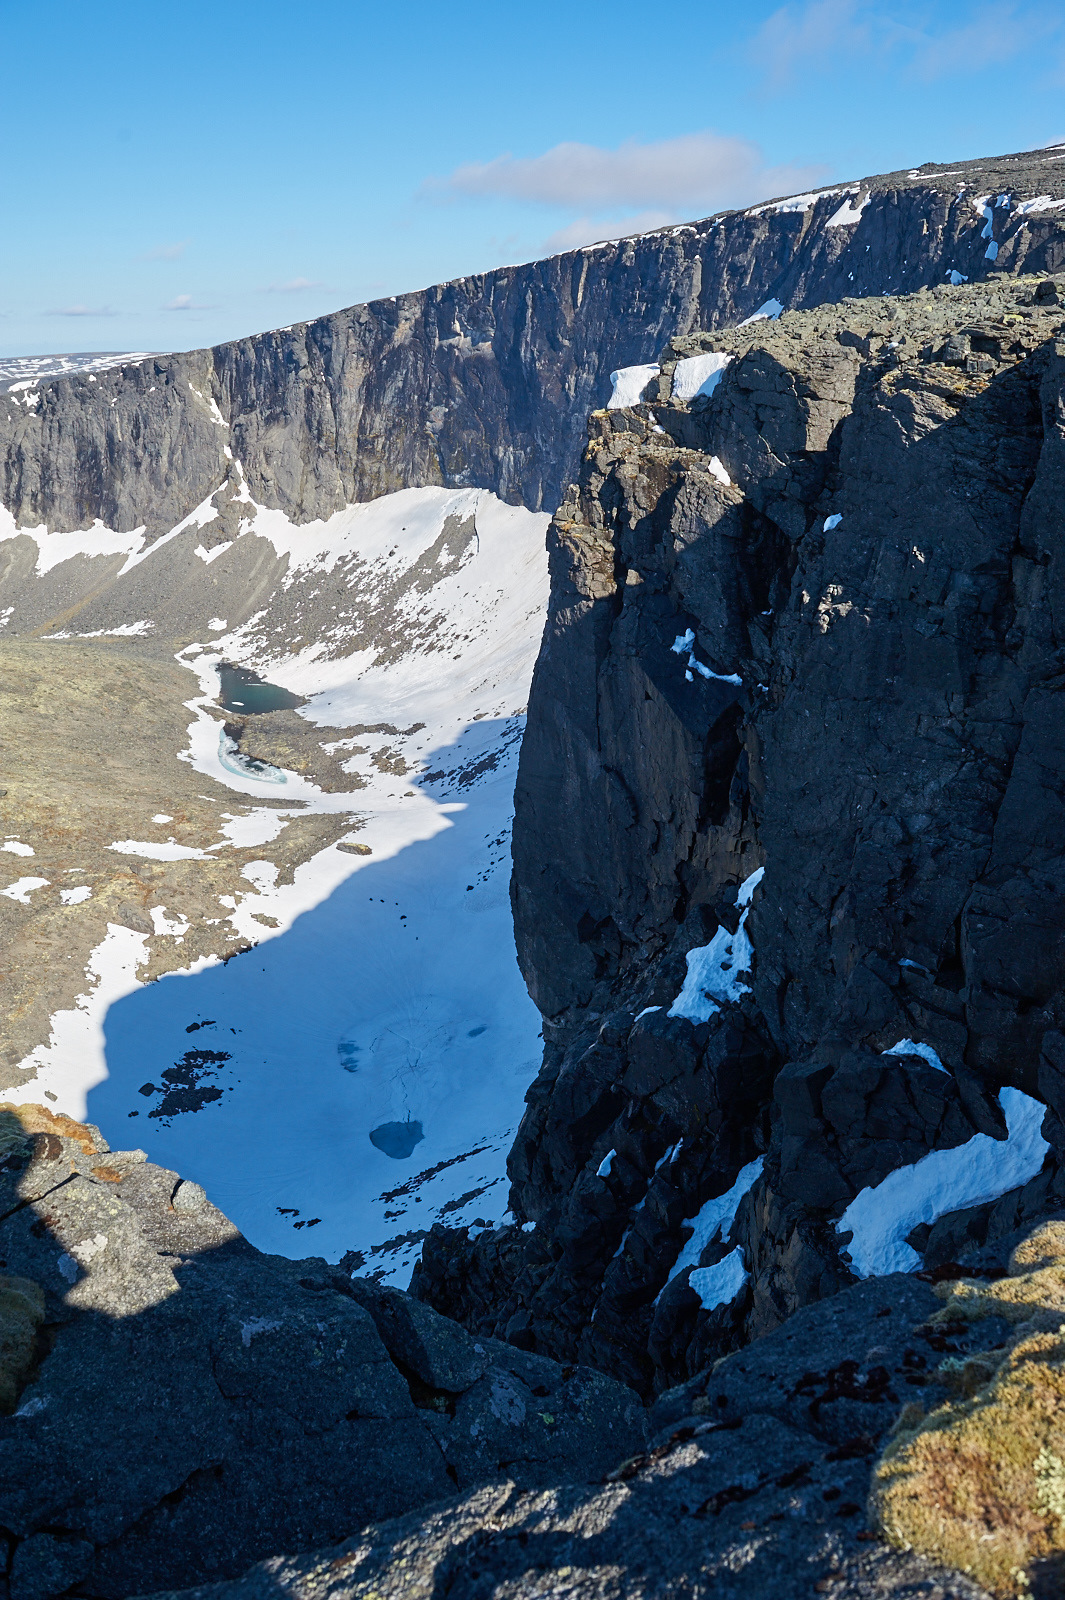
{"x": 811, "y": 624}
{"x": 488, "y": 381}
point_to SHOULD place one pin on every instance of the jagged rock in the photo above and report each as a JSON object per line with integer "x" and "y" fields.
{"x": 805, "y": 623}
{"x": 201, "y": 1405}
{"x": 754, "y": 1485}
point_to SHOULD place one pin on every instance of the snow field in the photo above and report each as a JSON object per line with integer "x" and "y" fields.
{"x": 389, "y": 995}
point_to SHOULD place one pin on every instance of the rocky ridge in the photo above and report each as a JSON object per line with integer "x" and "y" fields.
{"x": 808, "y": 624}
{"x": 175, "y": 1405}
{"x": 487, "y": 381}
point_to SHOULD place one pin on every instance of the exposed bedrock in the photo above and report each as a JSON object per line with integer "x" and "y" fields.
{"x": 809, "y": 623}
{"x": 487, "y": 381}
{"x": 175, "y": 1405}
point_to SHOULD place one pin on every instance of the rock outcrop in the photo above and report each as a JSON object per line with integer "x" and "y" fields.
{"x": 804, "y": 637}
{"x": 176, "y": 1405}
{"x": 754, "y": 1485}
{"x": 487, "y": 381}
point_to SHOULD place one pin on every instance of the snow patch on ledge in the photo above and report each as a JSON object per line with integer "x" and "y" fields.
{"x": 907, "y": 1047}
{"x": 769, "y": 311}
{"x": 847, "y": 213}
{"x": 699, "y": 375}
{"x": 715, "y": 969}
{"x": 720, "y": 1284}
{"x": 971, "y": 1174}
{"x": 628, "y": 384}
{"x": 715, "y": 1219}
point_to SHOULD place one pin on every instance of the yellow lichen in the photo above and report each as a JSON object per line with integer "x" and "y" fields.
{"x": 979, "y": 1483}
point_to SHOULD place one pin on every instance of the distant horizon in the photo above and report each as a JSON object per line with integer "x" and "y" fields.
{"x": 361, "y": 154}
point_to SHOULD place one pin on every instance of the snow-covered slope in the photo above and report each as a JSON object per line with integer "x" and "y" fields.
{"x": 20, "y": 373}
{"x": 360, "y": 1071}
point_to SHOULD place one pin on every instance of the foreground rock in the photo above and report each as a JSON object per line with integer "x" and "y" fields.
{"x": 753, "y": 1487}
{"x": 179, "y": 1405}
{"x": 804, "y": 639}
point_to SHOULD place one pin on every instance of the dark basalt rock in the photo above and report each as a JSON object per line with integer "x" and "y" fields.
{"x": 883, "y": 572}
{"x": 754, "y": 1485}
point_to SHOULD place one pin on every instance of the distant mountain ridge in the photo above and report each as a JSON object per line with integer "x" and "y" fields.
{"x": 487, "y": 381}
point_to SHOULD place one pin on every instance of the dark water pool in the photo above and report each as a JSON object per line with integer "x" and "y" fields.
{"x": 397, "y": 1139}
{"x": 243, "y": 690}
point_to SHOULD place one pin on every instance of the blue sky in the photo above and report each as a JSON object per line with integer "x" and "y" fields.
{"x": 178, "y": 174}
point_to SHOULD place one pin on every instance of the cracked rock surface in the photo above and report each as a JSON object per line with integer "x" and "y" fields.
{"x": 809, "y": 623}
{"x": 753, "y": 1485}
{"x": 192, "y": 1405}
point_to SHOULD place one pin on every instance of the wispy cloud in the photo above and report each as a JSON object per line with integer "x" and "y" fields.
{"x": 590, "y": 230}
{"x": 798, "y": 34}
{"x": 821, "y": 34}
{"x": 995, "y": 34}
{"x": 662, "y": 180}
{"x": 167, "y": 252}
{"x": 292, "y": 286}
{"x": 185, "y": 302}
{"x": 83, "y": 311}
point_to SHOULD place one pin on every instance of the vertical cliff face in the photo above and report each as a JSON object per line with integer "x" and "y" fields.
{"x": 487, "y": 381}
{"x": 788, "y": 886}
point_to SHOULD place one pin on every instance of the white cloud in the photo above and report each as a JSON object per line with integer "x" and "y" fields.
{"x": 797, "y": 34}
{"x": 185, "y": 302}
{"x": 661, "y": 181}
{"x": 167, "y": 252}
{"x": 817, "y": 35}
{"x": 83, "y": 311}
{"x": 293, "y": 286}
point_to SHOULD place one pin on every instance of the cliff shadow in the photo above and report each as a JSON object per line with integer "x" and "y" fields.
{"x": 344, "y": 1084}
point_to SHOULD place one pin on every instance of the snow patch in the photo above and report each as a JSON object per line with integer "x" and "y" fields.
{"x": 769, "y": 311}
{"x": 1042, "y": 202}
{"x": 716, "y": 1217}
{"x": 720, "y": 1284}
{"x": 847, "y": 213}
{"x": 715, "y": 969}
{"x": 22, "y": 888}
{"x": 628, "y": 383}
{"x": 699, "y": 375}
{"x": 906, "y": 1047}
{"x": 73, "y": 1059}
{"x": 971, "y": 1174}
{"x": 157, "y": 852}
